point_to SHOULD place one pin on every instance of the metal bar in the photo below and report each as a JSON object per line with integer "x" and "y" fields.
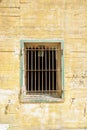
{"x": 46, "y": 69}
{"x": 55, "y": 64}
{"x": 31, "y": 69}
{"x": 42, "y": 70}
{"x": 38, "y": 72}
{"x": 52, "y": 91}
{"x": 35, "y": 70}
{"x": 57, "y": 58}
{"x": 42, "y": 49}
{"x": 49, "y": 69}
{"x": 52, "y": 71}
{"x": 28, "y": 69}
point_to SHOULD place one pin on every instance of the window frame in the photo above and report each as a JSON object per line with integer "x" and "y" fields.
{"x": 38, "y": 98}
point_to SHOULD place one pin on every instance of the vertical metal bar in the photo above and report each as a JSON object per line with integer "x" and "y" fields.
{"x": 45, "y": 69}
{"x": 35, "y": 69}
{"x": 28, "y": 69}
{"x": 38, "y": 70}
{"x": 49, "y": 69}
{"x": 31, "y": 69}
{"x": 57, "y": 71}
{"x": 52, "y": 68}
{"x": 42, "y": 67}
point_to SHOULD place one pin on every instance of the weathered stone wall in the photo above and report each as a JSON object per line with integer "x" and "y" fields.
{"x": 44, "y": 19}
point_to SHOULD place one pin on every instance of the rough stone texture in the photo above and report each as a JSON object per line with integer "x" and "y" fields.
{"x": 44, "y": 19}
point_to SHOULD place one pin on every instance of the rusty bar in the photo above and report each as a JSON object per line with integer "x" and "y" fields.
{"x": 35, "y": 70}
{"x": 42, "y": 68}
{"x": 46, "y": 69}
{"x": 49, "y": 69}
{"x": 52, "y": 91}
{"x": 32, "y": 69}
{"x": 52, "y": 68}
{"x": 28, "y": 69}
{"x": 38, "y": 71}
{"x": 42, "y": 49}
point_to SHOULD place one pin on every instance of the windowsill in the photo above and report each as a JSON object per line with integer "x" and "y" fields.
{"x": 40, "y": 99}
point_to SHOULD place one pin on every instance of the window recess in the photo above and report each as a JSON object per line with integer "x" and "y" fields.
{"x": 42, "y": 73}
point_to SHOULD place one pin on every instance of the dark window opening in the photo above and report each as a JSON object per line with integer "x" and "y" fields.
{"x": 41, "y": 69}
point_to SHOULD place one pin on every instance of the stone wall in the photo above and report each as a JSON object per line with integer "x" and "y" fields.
{"x": 44, "y": 19}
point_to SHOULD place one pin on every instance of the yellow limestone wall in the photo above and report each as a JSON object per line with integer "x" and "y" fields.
{"x": 44, "y": 19}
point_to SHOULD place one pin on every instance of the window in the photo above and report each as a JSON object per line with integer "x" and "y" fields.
{"x": 41, "y": 71}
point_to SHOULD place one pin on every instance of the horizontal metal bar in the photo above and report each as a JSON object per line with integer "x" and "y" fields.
{"x": 53, "y": 49}
{"x": 44, "y": 91}
{"x": 44, "y": 70}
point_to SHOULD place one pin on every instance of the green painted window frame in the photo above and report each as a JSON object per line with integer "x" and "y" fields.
{"x": 27, "y": 99}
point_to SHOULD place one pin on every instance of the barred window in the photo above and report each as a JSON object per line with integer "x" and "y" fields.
{"x": 42, "y": 71}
